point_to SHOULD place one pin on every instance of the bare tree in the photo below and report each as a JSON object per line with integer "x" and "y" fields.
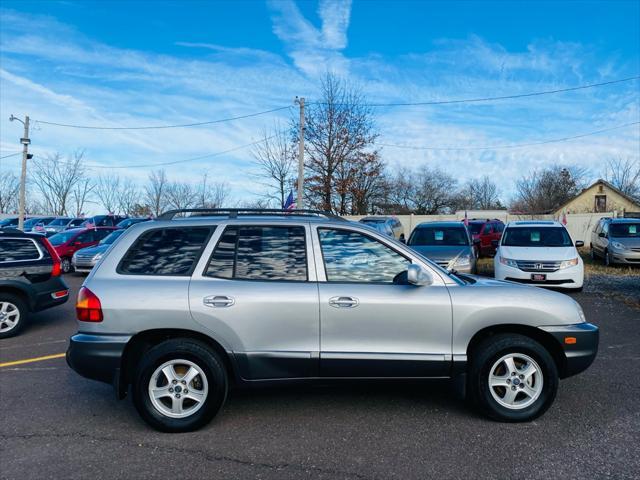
{"x": 156, "y": 192}
{"x": 107, "y": 190}
{"x": 9, "y": 188}
{"x": 128, "y": 197}
{"x": 80, "y": 195}
{"x": 338, "y": 127}
{"x": 211, "y": 195}
{"x": 359, "y": 183}
{"x": 55, "y": 180}
{"x": 433, "y": 191}
{"x": 181, "y": 195}
{"x": 624, "y": 174}
{"x": 477, "y": 194}
{"x": 543, "y": 191}
{"x": 276, "y": 160}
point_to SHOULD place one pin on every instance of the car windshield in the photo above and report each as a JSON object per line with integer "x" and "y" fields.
{"x": 8, "y": 221}
{"x": 31, "y": 222}
{"x": 109, "y": 239}
{"x": 62, "y": 237}
{"x": 536, "y": 237}
{"x": 60, "y": 221}
{"x": 373, "y": 220}
{"x": 624, "y": 230}
{"x": 475, "y": 228}
{"x": 439, "y": 236}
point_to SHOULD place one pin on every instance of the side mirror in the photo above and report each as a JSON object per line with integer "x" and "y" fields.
{"x": 77, "y": 244}
{"x": 416, "y": 275}
{"x": 403, "y": 240}
{"x": 579, "y": 243}
{"x": 476, "y": 241}
{"x": 602, "y": 235}
{"x": 495, "y": 243}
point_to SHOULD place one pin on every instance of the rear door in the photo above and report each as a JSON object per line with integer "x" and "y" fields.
{"x": 257, "y": 293}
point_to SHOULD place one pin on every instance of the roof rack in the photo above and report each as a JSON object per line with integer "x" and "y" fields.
{"x": 235, "y": 212}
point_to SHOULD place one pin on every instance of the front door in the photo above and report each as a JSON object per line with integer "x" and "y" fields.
{"x": 372, "y": 323}
{"x": 257, "y": 292}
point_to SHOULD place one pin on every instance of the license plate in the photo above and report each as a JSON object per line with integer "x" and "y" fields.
{"x": 538, "y": 277}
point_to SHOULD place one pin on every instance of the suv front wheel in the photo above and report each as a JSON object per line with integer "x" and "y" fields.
{"x": 512, "y": 378}
{"x": 179, "y": 386}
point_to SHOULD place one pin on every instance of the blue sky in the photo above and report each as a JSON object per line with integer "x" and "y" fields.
{"x": 148, "y": 63}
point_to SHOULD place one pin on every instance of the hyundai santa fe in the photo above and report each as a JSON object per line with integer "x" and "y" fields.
{"x": 178, "y": 311}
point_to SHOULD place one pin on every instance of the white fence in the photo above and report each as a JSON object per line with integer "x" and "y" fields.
{"x": 579, "y": 225}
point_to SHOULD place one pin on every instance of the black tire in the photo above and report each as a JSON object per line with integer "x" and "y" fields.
{"x": 65, "y": 265}
{"x": 487, "y": 353}
{"x": 592, "y": 253}
{"x": 184, "y": 349}
{"x": 14, "y": 302}
{"x": 606, "y": 259}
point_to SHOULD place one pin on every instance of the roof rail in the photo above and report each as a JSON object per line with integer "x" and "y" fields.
{"x": 235, "y": 212}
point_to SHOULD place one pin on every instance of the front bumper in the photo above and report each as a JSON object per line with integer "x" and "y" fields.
{"x": 579, "y": 343}
{"x": 83, "y": 265}
{"x": 572, "y": 277}
{"x": 625, "y": 257}
{"x": 97, "y": 357}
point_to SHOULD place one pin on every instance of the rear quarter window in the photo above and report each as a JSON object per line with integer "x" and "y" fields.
{"x": 166, "y": 251}
{"x": 18, "y": 250}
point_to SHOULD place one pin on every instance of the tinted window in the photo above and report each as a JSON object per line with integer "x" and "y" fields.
{"x": 499, "y": 227}
{"x": 109, "y": 239}
{"x": 487, "y": 229}
{"x": 625, "y": 230}
{"x": 354, "y": 257}
{"x": 76, "y": 222}
{"x": 59, "y": 222}
{"x": 260, "y": 253}
{"x": 86, "y": 237}
{"x": 62, "y": 237}
{"x": 475, "y": 228}
{"x": 15, "y": 250}
{"x": 439, "y": 236}
{"x": 100, "y": 234}
{"x": 167, "y": 251}
{"x": 536, "y": 237}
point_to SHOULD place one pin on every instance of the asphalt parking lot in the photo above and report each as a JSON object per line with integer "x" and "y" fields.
{"x": 55, "y": 424}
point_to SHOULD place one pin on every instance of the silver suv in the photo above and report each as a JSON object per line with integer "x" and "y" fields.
{"x": 180, "y": 310}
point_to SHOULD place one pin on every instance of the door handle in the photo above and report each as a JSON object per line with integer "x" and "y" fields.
{"x": 344, "y": 302}
{"x": 218, "y": 301}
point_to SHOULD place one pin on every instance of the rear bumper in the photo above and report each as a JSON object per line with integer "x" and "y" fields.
{"x": 579, "y": 355}
{"x": 97, "y": 357}
{"x": 44, "y": 298}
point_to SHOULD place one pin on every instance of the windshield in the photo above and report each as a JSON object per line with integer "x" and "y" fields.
{"x": 109, "y": 239}
{"x": 439, "y": 236}
{"x": 624, "y": 230}
{"x": 32, "y": 222}
{"x": 8, "y": 221}
{"x": 60, "y": 221}
{"x": 372, "y": 220}
{"x": 475, "y": 228}
{"x": 62, "y": 237}
{"x": 536, "y": 237}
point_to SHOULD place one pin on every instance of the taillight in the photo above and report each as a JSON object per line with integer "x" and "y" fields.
{"x": 55, "y": 270}
{"x": 88, "y": 308}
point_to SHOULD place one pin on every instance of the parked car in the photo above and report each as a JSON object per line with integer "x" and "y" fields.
{"x": 29, "y": 279}
{"x": 446, "y": 243}
{"x": 37, "y": 224}
{"x": 61, "y": 224}
{"x": 487, "y": 232}
{"x": 9, "y": 222}
{"x": 86, "y": 258}
{"x": 539, "y": 253}
{"x": 616, "y": 241}
{"x": 127, "y": 222}
{"x": 390, "y": 226}
{"x": 70, "y": 241}
{"x": 102, "y": 221}
{"x": 182, "y": 309}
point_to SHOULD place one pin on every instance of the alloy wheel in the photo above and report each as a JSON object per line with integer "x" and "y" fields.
{"x": 515, "y": 381}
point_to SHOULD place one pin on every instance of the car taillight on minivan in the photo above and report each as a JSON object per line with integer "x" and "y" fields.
{"x": 88, "y": 308}
{"x": 55, "y": 270}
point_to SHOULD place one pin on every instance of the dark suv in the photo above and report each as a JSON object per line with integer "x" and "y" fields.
{"x": 486, "y": 234}
{"x": 29, "y": 278}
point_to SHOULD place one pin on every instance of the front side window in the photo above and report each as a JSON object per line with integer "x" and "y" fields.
{"x": 433, "y": 236}
{"x": 353, "y": 257}
{"x": 536, "y": 237}
{"x": 17, "y": 250}
{"x": 258, "y": 252}
{"x": 165, "y": 251}
{"x": 62, "y": 237}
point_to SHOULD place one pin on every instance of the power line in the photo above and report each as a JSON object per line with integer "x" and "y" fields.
{"x": 152, "y": 127}
{"x": 10, "y": 155}
{"x": 518, "y": 145}
{"x": 489, "y": 99}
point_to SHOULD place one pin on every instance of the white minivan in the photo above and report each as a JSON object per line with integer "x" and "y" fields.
{"x": 539, "y": 253}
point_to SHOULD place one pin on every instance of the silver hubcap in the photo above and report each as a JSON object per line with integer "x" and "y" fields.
{"x": 515, "y": 381}
{"x": 178, "y": 388}
{"x": 9, "y": 316}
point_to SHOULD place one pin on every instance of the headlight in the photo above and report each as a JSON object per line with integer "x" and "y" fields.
{"x": 618, "y": 246}
{"x": 509, "y": 262}
{"x": 581, "y": 313}
{"x": 97, "y": 257}
{"x": 463, "y": 262}
{"x": 569, "y": 263}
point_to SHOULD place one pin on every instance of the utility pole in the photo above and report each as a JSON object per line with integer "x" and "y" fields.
{"x": 25, "y": 141}
{"x": 299, "y": 204}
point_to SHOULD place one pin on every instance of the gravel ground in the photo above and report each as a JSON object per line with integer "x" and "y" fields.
{"x": 625, "y": 288}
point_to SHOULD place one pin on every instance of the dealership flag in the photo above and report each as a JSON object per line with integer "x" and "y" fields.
{"x": 290, "y": 204}
{"x": 564, "y": 218}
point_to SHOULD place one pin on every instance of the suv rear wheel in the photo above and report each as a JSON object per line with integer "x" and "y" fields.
{"x": 512, "y": 378}
{"x": 179, "y": 386}
{"x": 13, "y": 315}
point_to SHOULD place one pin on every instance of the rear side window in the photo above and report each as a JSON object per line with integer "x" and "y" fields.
{"x": 487, "y": 229}
{"x": 18, "y": 250}
{"x": 257, "y": 252}
{"x": 165, "y": 251}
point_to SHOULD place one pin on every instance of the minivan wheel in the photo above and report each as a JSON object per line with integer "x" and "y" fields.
{"x": 13, "y": 313}
{"x": 179, "y": 386}
{"x": 512, "y": 378}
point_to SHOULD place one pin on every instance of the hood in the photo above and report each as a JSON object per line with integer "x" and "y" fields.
{"x": 442, "y": 252}
{"x": 629, "y": 242}
{"x": 538, "y": 253}
{"x": 93, "y": 250}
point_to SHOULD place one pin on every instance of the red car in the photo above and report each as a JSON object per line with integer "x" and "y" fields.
{"x": 68, "y": 242}
{"x": 484, "y": 232}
